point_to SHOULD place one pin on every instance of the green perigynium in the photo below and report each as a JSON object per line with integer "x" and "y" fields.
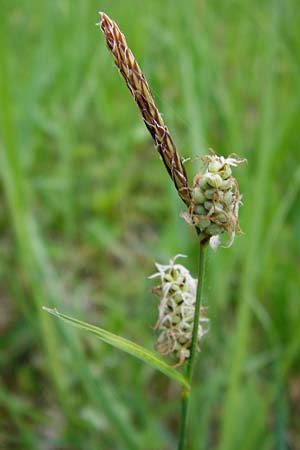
{"x": 177, "y": 294}
{"x": 215, "y": 200}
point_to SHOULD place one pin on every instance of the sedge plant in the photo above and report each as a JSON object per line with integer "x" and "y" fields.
{"x": 212, "y": 204}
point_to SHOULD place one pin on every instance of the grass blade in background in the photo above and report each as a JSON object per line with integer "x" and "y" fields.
{"x": 40, "y": 274}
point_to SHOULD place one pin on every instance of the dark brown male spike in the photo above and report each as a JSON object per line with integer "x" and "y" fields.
{"x": 139, "y": 88}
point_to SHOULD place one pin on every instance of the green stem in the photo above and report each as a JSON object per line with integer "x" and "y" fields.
{"x": 186, "y": 393}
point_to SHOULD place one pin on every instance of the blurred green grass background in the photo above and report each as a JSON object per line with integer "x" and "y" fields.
{"x": 86, "y": 208}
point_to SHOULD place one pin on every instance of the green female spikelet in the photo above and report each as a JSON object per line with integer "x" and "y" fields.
{"x": 177, "y": 294}
{"x": 215, "y": 199}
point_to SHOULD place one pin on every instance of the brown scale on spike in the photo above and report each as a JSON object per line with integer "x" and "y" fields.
{"x": 143, "y": 97}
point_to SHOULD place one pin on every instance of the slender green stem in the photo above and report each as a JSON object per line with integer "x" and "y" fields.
{"x": 186, "y": 394}
{"x": 183, "y": 419}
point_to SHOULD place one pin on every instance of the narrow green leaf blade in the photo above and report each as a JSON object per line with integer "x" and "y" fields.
{"x": 124, "y": 344}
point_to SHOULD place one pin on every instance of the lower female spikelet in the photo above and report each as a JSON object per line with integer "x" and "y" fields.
{"x": 177, "y": 294}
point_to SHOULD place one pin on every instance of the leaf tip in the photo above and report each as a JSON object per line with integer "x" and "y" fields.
{"x": 51, "y": 310}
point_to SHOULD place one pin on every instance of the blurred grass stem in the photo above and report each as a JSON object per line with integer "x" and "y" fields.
{"x": 186, "y": 393}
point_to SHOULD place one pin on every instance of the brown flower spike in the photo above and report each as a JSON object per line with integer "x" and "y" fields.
{"x": 142, "y": 95}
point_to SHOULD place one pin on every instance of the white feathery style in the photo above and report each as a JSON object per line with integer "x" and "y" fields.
{"x": 177, "y": 293}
